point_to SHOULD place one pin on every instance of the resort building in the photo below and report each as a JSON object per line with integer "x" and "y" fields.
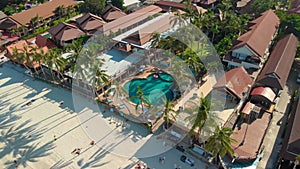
{"x": 249, "y": 136}
{"x": 139, "y": 37}
{"x": 291, "y": 143}
{"x": 65, "y": 33}
{"x": 277, "y": 69}
{"x": 235, "y": 83}
{"x": 168, "y": 6}
{"x": 252, "y": 48}
{"x": 131, "y": 20}
{"x": 24, "y": 47}
{"x": 45, "y": 11}
{"x": 263, "y": 97}
{"x": 295, "y": 7}
{"x": 111, "y": 13}
{"x": 2, "y": 15}
{"x": 90, "y": 23}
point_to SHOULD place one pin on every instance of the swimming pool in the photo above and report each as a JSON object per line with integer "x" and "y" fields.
{"x": 155, "y": 88}
{"x": 48, "y": 35}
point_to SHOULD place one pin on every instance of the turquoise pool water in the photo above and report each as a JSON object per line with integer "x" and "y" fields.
{"x": 48, "y": 35}
{"x": 154, "y": 88}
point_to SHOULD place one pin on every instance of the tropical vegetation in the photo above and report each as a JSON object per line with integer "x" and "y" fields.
{"x": 219, "y": 144}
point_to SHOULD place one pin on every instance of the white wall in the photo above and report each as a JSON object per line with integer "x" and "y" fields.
{"x": 241, "y": 53}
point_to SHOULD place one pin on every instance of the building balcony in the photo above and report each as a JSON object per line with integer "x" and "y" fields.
{"x": 248, "y": 63}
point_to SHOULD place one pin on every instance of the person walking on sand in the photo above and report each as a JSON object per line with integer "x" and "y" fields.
{"x": 16, "y": 163}
{"x": 74, "y": 151}
{"x": 78, "y": 151}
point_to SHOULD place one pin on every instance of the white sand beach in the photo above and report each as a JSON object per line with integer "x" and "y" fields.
{"x": 38, "y": 132}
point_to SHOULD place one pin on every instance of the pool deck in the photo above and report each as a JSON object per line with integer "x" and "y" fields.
{"x": 28, "y": 133}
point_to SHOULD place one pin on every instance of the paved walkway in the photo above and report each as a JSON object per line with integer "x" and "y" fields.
{"x": 273, "y": 139}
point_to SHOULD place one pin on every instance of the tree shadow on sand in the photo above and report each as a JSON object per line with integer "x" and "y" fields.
{"x": 96, "y": 160}
{"x": 19, "y": 141}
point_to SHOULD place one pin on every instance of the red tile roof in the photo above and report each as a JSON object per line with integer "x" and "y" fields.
{"x": 248, "y": 108}
{"x": 260, "y": 34}
{"x": 278, "y": 66}
{"x": 265, "y": 92}
{"x": 90, "y": 22}
{"x": 111, "y": 13}
{"x": 253, "y": 137}
{"x": 236, "y": 81}
{"x": 44, "y": 10}
{"x": 20, "y": 46}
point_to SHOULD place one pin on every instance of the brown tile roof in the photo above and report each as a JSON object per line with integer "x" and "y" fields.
{"x": 254, "y": 136}
{"x": 130, "y": 19}
{"x": 42, "y": 41}
{"x": 236, "y": 80}
{"x": 291, "y": 142}
{"x": 44, "y": 10}
{"x": 8, "y": 23}
{"x": 90, "y": 22}
{"x": 295, "y": 7}
{"x": 295, "y": 3}
{"x": 111, "y": 13}
{"x": 167, "y": 5}
{"x": 260, "y": 34}
{"x": 64, "y": 32}
{"x": 276, "y": 70}
{"x": 207, "y": 2}
{"x": 145, "y": 34}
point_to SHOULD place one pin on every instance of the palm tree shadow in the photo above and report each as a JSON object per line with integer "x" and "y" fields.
{"x": 7, "y": 119}
{"x": 34, "y": 152}
{"x": 18, "y": 142}
{"x": 95, "y": 159}
{"x": 61, "y": 164}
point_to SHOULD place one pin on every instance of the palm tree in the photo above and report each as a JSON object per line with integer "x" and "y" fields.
{"x": 38, "y": 55}
{"x": 34, "y": 22}
{"x": 220, "y": 143}
{"x": 19, "y": 57}
{"x": 192, "y": 60}
{"x": 143, "y": 100}
{"x": 55, "y": 62}
{"x": 12, "y": 32}
{"x": 177, "y": 19}
{"x": 101, "y": 80}
{"x": 22, "y": 30}
{"x": 27, "y": 56}
{"x": 198, "y": 120}
{"x": 60, "y": 11}
{"x": 168, "y": 112}
{"x": 155, "y": 39}
{"x": 297, "y": 161}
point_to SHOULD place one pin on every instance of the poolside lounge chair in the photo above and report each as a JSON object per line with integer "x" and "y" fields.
{"x": 122, "y": 106}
